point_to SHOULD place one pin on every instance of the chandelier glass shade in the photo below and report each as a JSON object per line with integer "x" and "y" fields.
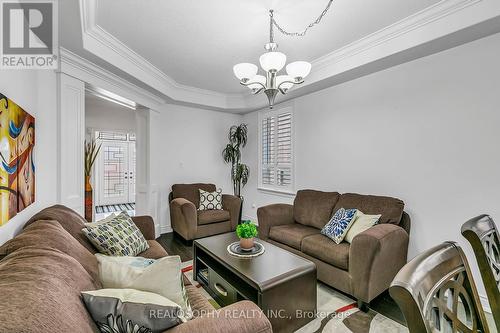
{"x": 272, "y": 62}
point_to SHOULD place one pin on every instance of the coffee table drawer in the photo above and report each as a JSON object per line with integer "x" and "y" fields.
{"x": 221, "y": 288}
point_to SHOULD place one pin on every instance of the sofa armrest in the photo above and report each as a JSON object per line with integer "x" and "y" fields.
{"x": 184, "y": 217}
{"x": 271, "y": 215}
{"x": 375, "y": 257}
{"x": 146, "y": 225}
{"x": 240, "y": 317}
{"x": 232, "y": 204}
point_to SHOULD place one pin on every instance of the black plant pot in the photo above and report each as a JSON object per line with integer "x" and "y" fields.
{"x": 241, "y": 208}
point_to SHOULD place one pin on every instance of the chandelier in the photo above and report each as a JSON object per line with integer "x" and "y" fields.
{"x": 272, "y": 62}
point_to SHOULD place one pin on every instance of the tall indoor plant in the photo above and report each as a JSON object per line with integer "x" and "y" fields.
{"x": 91, "y": 152}
{"x": 232, "y": 154}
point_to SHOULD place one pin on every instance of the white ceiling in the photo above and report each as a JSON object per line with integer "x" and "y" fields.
{"x": 197, "y": 42}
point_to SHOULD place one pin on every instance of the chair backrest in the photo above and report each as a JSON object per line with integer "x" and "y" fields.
{"x": 436, "y": 293}
{"x": 482, "y": 234}
{"x": 190, "y": 191}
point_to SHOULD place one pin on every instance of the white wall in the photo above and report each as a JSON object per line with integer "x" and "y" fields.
{"x": 425, "y": 131}
{"x": 186, "y": 147}
{"x": 35, "y": 92}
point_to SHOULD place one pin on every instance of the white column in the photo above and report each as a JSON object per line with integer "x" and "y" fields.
{"x": 71, "y": 138}
{"x": 146, "y": 195}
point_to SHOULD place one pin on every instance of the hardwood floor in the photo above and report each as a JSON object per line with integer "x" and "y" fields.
{"x": 176, "y": 246}
{"x": 383, "y": 304}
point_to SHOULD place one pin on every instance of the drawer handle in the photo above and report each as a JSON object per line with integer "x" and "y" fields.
{"x": 220, "y": 289}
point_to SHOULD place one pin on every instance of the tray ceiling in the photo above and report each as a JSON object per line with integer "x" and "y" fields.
{"x": 196, "y": 43}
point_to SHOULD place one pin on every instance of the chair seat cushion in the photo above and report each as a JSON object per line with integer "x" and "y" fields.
{"x": 212, "y": 216}
{"x": 324, "y": 249}
{"x": 291, "y": 234}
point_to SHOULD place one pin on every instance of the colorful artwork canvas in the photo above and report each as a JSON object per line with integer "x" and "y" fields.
{"x": 17, "y": 165}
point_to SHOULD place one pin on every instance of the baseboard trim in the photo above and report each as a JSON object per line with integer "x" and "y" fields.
{"x": 165, "y": 229}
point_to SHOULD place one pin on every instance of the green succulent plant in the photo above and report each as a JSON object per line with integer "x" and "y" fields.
{"x": 246, "y": 229}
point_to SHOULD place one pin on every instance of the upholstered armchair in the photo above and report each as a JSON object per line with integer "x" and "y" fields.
{"x": 191, "y": 223}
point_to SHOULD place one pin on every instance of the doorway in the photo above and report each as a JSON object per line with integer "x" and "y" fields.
{"x": 115, "y": 173}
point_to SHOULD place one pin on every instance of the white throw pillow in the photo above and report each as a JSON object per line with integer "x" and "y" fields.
{"x": 210, "y": 200}
{"x": 161, "y": 276}
{"x": 361, "y": 223}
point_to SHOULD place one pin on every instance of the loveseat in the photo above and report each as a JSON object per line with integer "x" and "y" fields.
{"x": 364, "y": 268}
{"x": 44, "y": 269}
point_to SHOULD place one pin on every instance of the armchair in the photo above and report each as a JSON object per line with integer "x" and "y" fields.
{"x": 191, "y": 223}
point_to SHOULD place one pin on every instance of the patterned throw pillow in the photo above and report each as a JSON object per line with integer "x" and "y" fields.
{"x": 118, "y": 237}
{"x": 210, "y": 200}
{"x": 130, "y": 310}
{"x": 339, "y": 224}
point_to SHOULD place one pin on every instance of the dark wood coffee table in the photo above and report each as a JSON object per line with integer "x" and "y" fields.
{"x": 281, "y": 283}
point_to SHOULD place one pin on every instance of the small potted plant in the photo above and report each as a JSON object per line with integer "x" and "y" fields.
{"x": 246, "y": 231}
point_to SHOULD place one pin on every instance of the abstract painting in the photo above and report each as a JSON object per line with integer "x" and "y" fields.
{"x": 17, "y": 165}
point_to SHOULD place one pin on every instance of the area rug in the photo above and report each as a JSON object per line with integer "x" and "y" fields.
{"x": 337, "y": 313}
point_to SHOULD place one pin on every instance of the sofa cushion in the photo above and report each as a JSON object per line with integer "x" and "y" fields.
{"x": 324, "y": 249}
{"x": 314, "y": 208}
{"x": 70, "y": 220}
{"x": 191, "y": 191}
{"x": 155, "y": 251}
{"x": 391, "y": 209}
{"x": 51, "y": 235}
{"x": 40, "y": 292}
{"x": 291, "y": 234}
{"x": 212, "y": 216}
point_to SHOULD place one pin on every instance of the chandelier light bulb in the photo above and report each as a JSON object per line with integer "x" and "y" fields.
{"x": 298, "y": 69}
{"x": 256, "y": 86}
{"x": 245, "y": 71}
{"x": 272, "y": 61}
{"x": 282, "y": 84}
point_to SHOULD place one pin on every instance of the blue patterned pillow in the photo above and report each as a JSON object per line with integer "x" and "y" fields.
{"x": 339, "y": 224}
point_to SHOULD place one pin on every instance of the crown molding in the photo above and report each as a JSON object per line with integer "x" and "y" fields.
{"x": 403, "y": 27}
{"x": 439, "y": 20}
{"x": 80, "y": 68}
{"x": 108, "y": 47}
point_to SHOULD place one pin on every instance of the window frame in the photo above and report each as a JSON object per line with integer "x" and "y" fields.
{"x": 274, "y": 188}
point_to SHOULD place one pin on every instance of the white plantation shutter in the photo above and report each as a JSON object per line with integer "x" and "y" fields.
{"x": 276, "y": 170}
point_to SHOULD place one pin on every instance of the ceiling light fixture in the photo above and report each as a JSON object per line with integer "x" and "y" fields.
{"x": 272, "y": 62}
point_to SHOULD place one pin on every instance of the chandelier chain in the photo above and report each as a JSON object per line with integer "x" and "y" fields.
{"x": 301, "y": 33}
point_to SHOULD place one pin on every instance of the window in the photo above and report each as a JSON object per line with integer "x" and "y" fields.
{"x": 276, "y": 150}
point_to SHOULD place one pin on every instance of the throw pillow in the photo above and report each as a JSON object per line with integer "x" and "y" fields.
{"x": 129, "y": 310}
{"x": 161, "y": 276}
{"x": 104, "y": 220}
{"x": 118, "y": 237}
{"x": 339, "y": 224}
{"x": 361, "y": 223}
{"x": 210, "y": 200}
